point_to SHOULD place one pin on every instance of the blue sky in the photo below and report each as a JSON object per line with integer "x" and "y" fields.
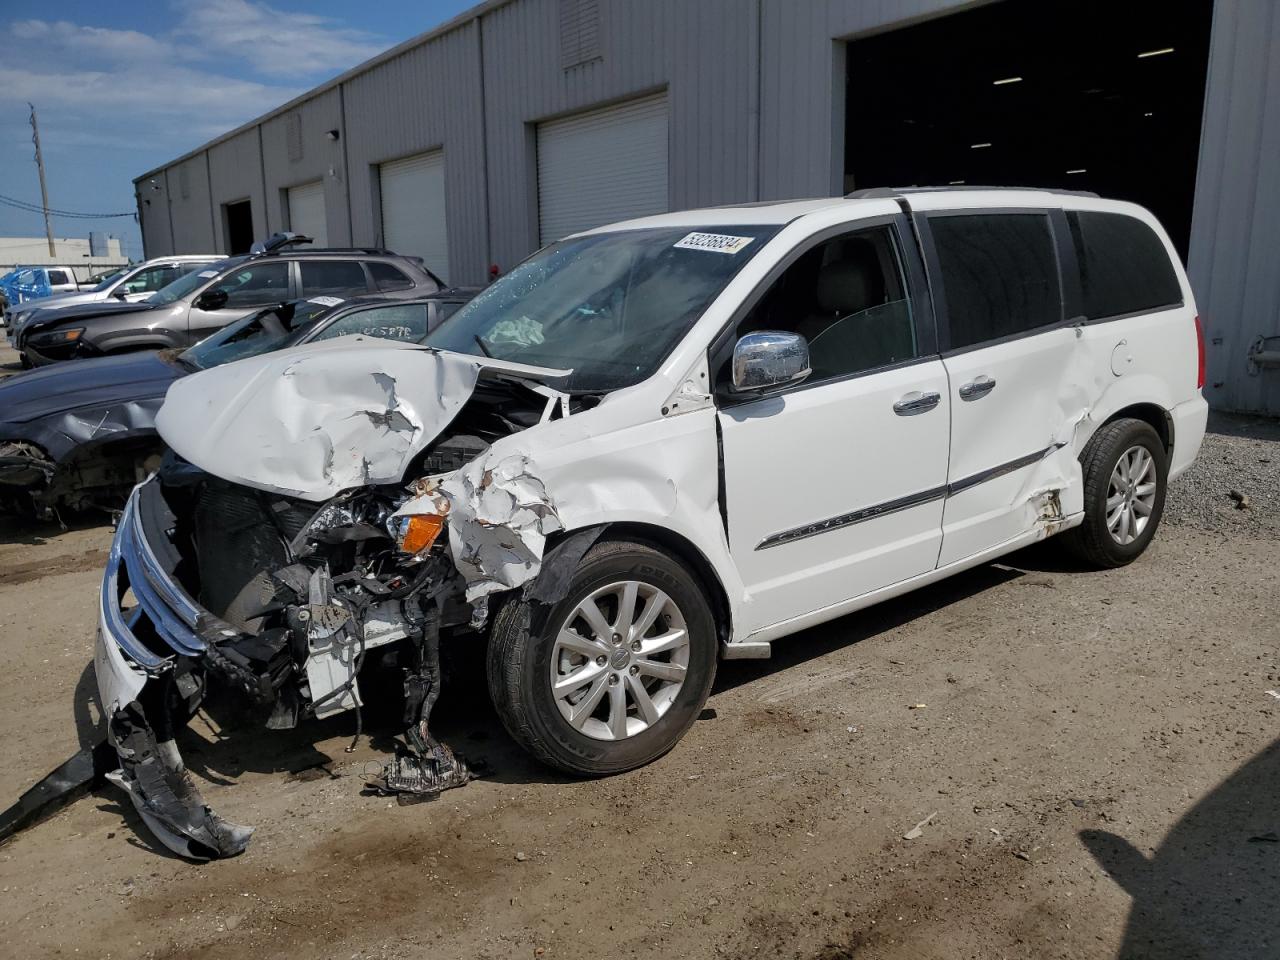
{"x": 122, "y": 87}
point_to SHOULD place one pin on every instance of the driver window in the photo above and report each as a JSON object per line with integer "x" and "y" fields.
{"x": 848, "y": 298}
{"x": 151, "y": 279}
{"x": 401, "y": 322}
{"x": 258, "y": 285}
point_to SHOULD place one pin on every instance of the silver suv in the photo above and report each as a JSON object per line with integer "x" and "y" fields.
{"x": 203, "y": 301}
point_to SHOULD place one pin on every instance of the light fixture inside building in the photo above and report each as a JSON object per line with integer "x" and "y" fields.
{"x": 1000, "y": 83}
{"x": 1155, "y": 53}
{"x": 979, "y": 146}
{"x": 1080, "y": 170}
{"x": 954, "y": 183}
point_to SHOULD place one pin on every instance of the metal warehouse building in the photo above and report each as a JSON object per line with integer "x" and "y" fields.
{"x": 524, "y": 120}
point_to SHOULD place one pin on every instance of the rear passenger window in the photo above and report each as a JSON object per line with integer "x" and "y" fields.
{"x": 332, "y": 277}
{"x": 1124, "y": 268}
{"x": 848, "y": 298}
{"x": 387, "y": 278}
{"x": 999, "y": 274}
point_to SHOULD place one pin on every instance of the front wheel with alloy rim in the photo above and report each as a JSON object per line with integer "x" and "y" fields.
{"x": 1125, "y": 469}
{"x": 611, "y": 676}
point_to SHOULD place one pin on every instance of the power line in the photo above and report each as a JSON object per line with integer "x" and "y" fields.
{"x": 17, "y": 204}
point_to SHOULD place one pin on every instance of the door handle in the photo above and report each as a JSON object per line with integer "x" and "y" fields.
{"x": 917, "y": 402}
{"x": 977, "y": 388}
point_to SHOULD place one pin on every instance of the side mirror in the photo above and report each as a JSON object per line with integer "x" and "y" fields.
{"x": 211, "y": 300}
{"x": 768, "y": 360}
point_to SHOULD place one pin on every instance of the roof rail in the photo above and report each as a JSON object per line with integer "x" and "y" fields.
{"x": 883, "y": 193}
{"x": 367, "y": 251}
{"x": 277, "y": 242}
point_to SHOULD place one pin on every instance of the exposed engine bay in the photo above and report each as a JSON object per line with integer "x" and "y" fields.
{"x": 217, "y": 583}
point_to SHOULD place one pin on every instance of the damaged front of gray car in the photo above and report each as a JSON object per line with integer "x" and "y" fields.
{"x": 282, "y": 588}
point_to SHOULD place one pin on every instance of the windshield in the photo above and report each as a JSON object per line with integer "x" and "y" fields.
{"x": 109, "y": 280}
{"x": 609, "y": 306}
{"x": 189, "y": 283}
{"x": 258, "y": 333}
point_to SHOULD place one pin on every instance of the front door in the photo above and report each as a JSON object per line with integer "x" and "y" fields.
{"x": 834, "y": 488}
{"x": 257, "y": 284}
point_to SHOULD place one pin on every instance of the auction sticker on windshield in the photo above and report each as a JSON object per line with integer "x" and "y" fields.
{"x": 713, "y": 242}
{"x": 326, "y": 301}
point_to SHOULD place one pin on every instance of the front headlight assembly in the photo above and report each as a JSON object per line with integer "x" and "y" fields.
{"x": 57, "y": 338}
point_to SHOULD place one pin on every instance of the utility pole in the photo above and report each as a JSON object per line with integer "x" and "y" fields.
{"x": 44, "y": 190}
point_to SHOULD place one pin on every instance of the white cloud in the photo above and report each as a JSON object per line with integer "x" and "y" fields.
{"x": 220, "y": 64}
{"x": 275, "y": 42}
{"x": 114, "y": 102}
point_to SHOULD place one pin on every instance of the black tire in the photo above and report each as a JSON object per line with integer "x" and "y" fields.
{"x": 1092, "y": 541}
{"x": 519, "y": 661}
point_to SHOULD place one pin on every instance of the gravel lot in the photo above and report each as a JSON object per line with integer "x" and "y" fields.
{"x": 1096, "y": 759}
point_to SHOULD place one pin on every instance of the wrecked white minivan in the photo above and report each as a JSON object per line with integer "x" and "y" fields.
{"x": 649, "y": 446}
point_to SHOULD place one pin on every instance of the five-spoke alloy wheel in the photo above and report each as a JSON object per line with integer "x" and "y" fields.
{"x": 612, "y": 675}
{"x": 1125, "y": 468}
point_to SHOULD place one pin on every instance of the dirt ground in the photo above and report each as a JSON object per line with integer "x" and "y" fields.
{"x": 1096, "y": 755}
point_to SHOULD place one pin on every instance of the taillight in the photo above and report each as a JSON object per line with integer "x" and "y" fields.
{"x": 1199, "y": 355}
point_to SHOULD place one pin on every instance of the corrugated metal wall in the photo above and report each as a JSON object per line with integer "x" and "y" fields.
{"x": 152, "y": 196}
{"x": 295, "y": 150}
{"x": 235, "y": 173}
{"x": 699, "y": 53}
{"x": 190, "y": 213}
{"x": 1235, "y": 231}
{"x": 756, "y": 92}
{"x": 428, "y": 98}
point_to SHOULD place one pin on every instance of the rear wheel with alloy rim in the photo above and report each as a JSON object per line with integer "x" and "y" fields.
{"x": 1125, "y": 469}
{"x": 616, "y": 671}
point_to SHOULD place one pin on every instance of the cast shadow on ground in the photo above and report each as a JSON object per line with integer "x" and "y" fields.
{"x": 1212, "y": 887}
{"x": 25, "y": 531}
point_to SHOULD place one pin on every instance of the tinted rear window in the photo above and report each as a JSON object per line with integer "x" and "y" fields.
{"x": 999, "y": 274}
{"x": 1124, "y": 268}
{"x": 387, "y": 278}
{"x": 332, "y": 277}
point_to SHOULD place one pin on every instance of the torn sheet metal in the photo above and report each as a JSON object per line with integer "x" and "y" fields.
{"x": 499, "y": 517}
{"x": 322, "y": 418}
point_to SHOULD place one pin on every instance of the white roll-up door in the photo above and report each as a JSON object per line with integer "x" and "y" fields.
{"x": 306, "y": 212}
{"x": 601, "y": 166}
{"x": 413, "y": 218}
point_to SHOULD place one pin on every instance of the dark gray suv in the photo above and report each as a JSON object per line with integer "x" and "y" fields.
{"x": 191, "y": 308}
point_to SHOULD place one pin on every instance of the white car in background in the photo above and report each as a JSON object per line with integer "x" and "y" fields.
{"x": 130, "y": 284}
{"x": 648, "y": 447}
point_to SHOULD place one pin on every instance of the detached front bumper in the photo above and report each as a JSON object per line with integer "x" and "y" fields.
{"x": 143, "y": 658}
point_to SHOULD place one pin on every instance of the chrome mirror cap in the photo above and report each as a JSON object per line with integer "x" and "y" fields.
{"x": 768, "y": 360}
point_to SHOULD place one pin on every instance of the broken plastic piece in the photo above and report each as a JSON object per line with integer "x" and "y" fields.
{"x": 916, "y": 832}
{"x": 66, "y": 783}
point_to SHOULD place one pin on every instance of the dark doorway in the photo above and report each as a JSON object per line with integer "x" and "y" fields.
{"x": 239, "y": 222}
{"x": 1082, "y": 94}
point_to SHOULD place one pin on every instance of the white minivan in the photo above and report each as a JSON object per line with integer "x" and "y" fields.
{"x": 649, "y": 446}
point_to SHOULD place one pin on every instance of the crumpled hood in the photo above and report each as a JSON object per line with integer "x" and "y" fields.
{"x": 318, "y": 419}
{"x": 60, "y": 387}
